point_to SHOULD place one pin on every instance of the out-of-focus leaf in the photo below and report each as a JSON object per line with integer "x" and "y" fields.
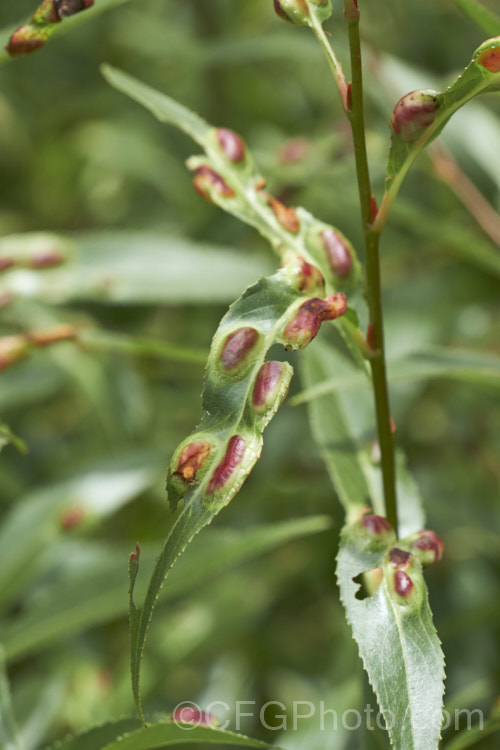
{"x": 9, "y": 737}
{"x": 7, "y": 436}
{"x": 342, "y": 424}
{"x": 474, "y": 735}
{"x": 396, "y": 638}
{"x": 475, "y": 367}
{"x": 40, "y": 518}
{"x": 341, "y": 428}
{"x": 97, "y": 591}
{"x": 128, "y": 267}
{"x": 140, "y": 347}
{"x": 162, "y": 106}
{"x": 485, "y": 18}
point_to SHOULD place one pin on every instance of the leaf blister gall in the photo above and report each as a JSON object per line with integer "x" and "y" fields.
{"x": 194, "y": 715}
{"x": 267, "y": 385}
{"x": 490, "y": 59}
{"x": 192, "y": 459}
{"x": 399, "y": 558}
{"x": 286, "y": 215}
{"x": 428, "y": 546}
{"x": 206, "y": 179}
{"x": 413, "y": 113}
{"x": 403, "y": 585}
{"x": 229, "y": 464}
{"x": 237, "y": 346}
{"x": 376, "y": 524}
{"x": 232, "y": 144}
{"x": 339, "y": 255}
{"x": 300, "y": 331}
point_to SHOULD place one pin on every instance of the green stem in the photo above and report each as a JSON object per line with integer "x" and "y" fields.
{"x": 373, "y": 283}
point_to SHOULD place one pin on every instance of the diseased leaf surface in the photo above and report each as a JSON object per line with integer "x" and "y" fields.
{"x": 397, "y": 641}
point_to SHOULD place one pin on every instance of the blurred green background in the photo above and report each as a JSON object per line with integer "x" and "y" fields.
{"x": 250, "y": 613}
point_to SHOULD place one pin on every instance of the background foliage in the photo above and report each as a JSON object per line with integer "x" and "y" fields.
{"x": 156, "y": 270}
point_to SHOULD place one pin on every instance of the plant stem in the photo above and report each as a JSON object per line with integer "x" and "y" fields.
{"x": 373, "y": 283}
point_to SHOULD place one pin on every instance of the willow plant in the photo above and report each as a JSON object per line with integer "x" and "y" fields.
{"x": 384, "y": 544}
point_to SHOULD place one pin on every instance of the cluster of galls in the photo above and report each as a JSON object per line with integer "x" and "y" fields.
{"x": 33, "y": 35}
{"x": 422, "y": 548}
{"x": 323, "y": 241}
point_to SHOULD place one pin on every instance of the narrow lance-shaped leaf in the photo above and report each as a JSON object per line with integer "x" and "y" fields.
{"x": 392, "y": 624}
{"x": 123, "y": 735}
{"x": 242, "y": 393}
{"x": 9, "y": 737}
{"x": 227, "y": 176}
{"x": 420, "y": 116}
{"x": 484, "y": 17}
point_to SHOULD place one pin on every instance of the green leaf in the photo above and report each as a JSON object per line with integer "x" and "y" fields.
{"x": 97, "y": 737}
{"x": 7, "y": 436}
{"x": 165, "y": 733}
{"x": 120, "y": 735}
{"x": 39, "y": 518}
{"x": 9, "y": 737}
{"x": 420, "y": 116}
{"x": 475, "y": 735}
{"x": 115, "y": 268}
{"x": 474, "y": 367}
{"x": 396, "y": 637}
{"x": 93, "y": 589}
{"x": 485, "y": 18}
{"x": 342, "y": 424}
{"x": 162, "y": 106}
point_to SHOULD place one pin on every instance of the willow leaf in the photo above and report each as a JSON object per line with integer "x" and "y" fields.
{"x": 394, "y": 630}
{"x": 485, "y": 18}
{"x": 166, "y": 733}
{"x": 420, "y": 116}
{"x": 9, "y": 737}
{"x": 343, "y": 426}
{"x": 242, "y": 393}
{"x": 227, "y": 176}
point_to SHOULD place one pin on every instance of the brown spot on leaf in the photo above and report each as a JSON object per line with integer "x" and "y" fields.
{"x": 66, "y": 8}
{"x": 490, "y": 59}
{"x": 414, "y": 113}
{"x": 237, "y": 346}
{"x": 63, "y": 332}
{"x": 191, "y": 460}
{"x": 376, "y": 524}
{"x": 232, "y": 144}
{"x": 229, "y": 464}
{"x": 6, "y": 263}
{"x": 205, "y": 178}
{"x": 193, "y": 715}
{"x": 135, "y": 555}
{"x": 403, "y": 584}
{"x": 429, "y": 543}
{"x": 72, "y": 518}
{"x": 22, "y": 42}
{"x": 306, "y": 323}
{"x": 46, "y": 259}
{"x": 339, "y": 255}
{"x": 266, "y": 383}
{"x": 285, "y": 215}
{"x": 399, "y": 558}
